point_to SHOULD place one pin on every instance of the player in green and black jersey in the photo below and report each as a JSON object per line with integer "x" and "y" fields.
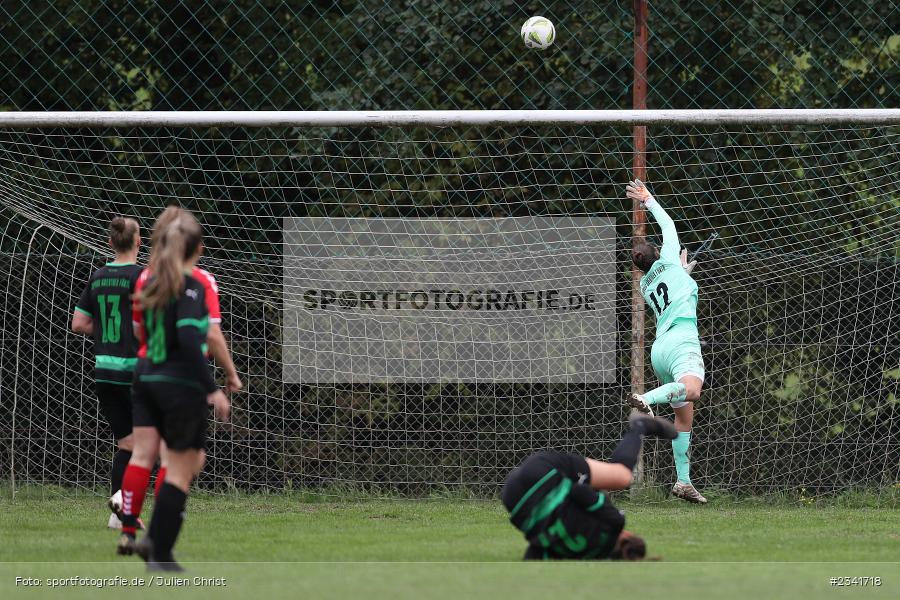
{"x": 104, "y": 312}
{"x": 173, "y": 387}
{"x": 557, "y": 499}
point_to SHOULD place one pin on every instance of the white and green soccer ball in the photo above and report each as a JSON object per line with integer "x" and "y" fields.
{"x": 538, "y": 32}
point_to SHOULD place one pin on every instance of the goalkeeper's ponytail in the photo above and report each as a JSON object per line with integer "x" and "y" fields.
{"x": 176, "y": 237}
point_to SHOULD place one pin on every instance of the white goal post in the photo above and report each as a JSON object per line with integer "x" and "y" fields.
{"x": 451, "y": 118}
{"x": 416, "y": 300}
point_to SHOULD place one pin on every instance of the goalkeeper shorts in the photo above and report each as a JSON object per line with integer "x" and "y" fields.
{"x": 676, "y": 353}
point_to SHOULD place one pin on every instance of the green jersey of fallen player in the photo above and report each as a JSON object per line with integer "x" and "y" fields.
{"x": 668, "y": 289}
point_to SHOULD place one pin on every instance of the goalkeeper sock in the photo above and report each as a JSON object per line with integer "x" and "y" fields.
{"x": 626, "y": 453}
{"x": 168, "y": 515}
{"x": 134, "y": 488}
{"x": 117, "y": 472}
{"x": 680, "y": 447}
{"x": 666, "y": 394}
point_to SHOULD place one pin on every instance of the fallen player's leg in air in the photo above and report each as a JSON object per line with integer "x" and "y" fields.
{"x": 557, "y": 500}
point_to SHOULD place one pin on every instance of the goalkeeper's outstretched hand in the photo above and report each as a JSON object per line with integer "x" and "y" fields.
{"x": 688, "y": 266}
{"x": 636, "y": 190}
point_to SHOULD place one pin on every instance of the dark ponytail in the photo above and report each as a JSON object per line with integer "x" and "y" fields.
{"x": 630, "y": 547}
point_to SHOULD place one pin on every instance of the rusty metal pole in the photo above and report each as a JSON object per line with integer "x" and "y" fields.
{"x": 638, "y": 217}
{"x": 639, "y": 171}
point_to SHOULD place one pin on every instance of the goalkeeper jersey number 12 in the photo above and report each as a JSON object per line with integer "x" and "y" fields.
{"x": 667, "y": 288}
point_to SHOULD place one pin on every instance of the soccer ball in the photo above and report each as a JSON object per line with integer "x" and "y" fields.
{"x": 538, "y": 32}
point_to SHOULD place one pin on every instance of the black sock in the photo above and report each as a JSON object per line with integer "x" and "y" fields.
{"x": 626, "y": 453}
{"x": 168, "y": 513}
{"x": 117, "y": 472}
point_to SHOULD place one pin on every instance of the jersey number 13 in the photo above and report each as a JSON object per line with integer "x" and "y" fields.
{"x": 110, "y": 318}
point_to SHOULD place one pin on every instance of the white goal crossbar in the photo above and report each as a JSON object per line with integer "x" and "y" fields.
{"x": 449, "y": 118}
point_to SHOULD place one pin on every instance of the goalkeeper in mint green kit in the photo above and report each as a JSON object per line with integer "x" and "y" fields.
{"x": 671, "y": 293}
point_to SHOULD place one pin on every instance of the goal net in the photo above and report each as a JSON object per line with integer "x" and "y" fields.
{"x": 415, "y": 309}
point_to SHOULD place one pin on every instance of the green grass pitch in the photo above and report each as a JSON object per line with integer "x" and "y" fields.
{"x": 277, "y": 546}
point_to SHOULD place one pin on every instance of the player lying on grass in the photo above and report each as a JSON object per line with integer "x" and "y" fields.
{"x": 554, "y": 499}
{"x": 173, "y": 388}
{"x": 670, "y": 291}
{"x": 104, "y": 311}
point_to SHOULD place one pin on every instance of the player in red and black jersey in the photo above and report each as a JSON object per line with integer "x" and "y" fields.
{"x": 173, "y": 387}
{"x": 217, "y": 345}
{"x": 104, "y": 312}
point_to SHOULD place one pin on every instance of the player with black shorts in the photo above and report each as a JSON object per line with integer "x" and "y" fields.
{"x": 218, "y": 345}
{"x": 173, "y": 388}
{"x": 557, "y": 499}
{"x": 104, "y": 312}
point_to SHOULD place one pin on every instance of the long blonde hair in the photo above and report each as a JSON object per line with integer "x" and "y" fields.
{"x": 176, "y": 237}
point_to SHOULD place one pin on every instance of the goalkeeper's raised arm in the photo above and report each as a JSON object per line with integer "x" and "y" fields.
{"x": 636, "y": 190}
